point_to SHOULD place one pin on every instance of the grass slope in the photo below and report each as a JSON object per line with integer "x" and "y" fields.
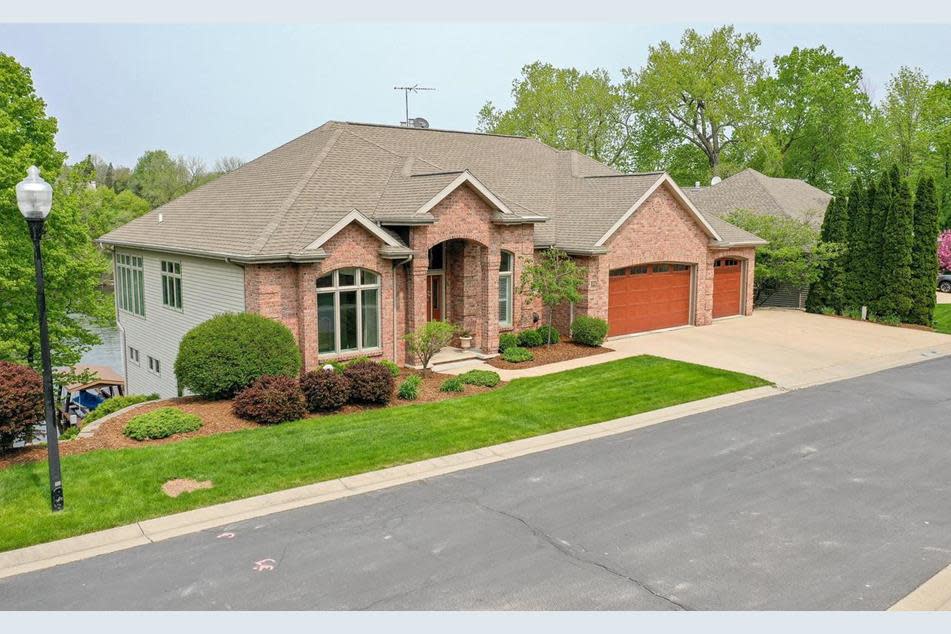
{"x": 942, "y": 318}
{"x": 110, "y": 488}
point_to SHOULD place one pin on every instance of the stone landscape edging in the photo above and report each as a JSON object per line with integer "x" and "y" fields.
{"x": 87, "y": 431}
{"x": 42, "y": 556}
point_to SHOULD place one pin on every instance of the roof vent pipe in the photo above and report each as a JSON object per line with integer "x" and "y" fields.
{"x": 161, "y": 218}
{"x": 696, "y": 185}
{"x": 715, "y": 180}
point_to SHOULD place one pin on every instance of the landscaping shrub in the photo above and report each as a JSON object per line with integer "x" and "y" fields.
{"x": 452, "y": 384}
{"x": 161, "y": 423}
{"x": 392, "y": 367}
{"x": 271, "y": 400}
{"x": 887, "y": 320}
{"x": 21, "y": 403}
{"x": 827, "y": 310}
{"x": 852, "y": 313}
{"x": 409, "y": 389}
{"x": 325, "y": 390}
{"x": 71, "y": 432}
{"x": 485, "y": 378}
{"x": 114, "y": 404}
{"x": 589, "y": 331}
{"x": 369, "y": 383}
{"x": 530, "y": 339}
{"x": 507, "y": 340}
{"x": 545, "y": 331}
{"x": 229, "y": 352}
{"x": 517, "y": 355}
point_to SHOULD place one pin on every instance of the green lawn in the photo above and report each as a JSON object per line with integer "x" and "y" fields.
{"x": 114, "y": 487}
{"x": 942, "y": 318}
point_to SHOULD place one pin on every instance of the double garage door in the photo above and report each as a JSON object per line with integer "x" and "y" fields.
{"x": 657, "y": 295}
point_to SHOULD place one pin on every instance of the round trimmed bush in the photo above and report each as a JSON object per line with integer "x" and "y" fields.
{"x": 392, "y": 367}
{"x": 589, "y": 331}
{"x": 370, "y": 383}
{"x": 530, "y": 339}
{"x": 485, "y": 378}
{"x": 409, "y": 389}
{"x": 545, "y": 331}
{"x": 227, "y": 353}
{"x": 271, "y": 400}
{"x": 452, "y": 384}
{"x": 507, "y": 340}
{"x": 517, "y": 355}
{"x": 325, "y": 390}
{"x": 161, "y": 423}
{"x": 21, "y": 403}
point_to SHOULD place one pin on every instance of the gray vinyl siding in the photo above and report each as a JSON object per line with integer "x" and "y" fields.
{"x": 209, "y": 287}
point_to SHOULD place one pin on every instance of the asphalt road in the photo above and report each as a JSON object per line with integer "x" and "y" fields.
{"x": 834, "y": 497}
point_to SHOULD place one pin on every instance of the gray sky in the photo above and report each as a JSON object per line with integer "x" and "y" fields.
{"x": 212, "y": 91}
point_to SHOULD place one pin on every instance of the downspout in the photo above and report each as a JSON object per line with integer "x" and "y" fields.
{"x": 395, "y": 311}
{"x": 124, "y": 347}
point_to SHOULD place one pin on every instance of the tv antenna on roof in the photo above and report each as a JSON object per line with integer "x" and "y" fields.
{"x": 412, "y": 123}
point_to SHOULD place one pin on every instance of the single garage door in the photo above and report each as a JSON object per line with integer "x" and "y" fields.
{"x": 727, "y": 282}
{"x": 648, "y": 297}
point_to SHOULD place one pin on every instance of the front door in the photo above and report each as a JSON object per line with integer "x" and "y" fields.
{"x": 434, "y": 297}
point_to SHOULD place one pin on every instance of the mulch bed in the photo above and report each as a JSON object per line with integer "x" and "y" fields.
{"x": 562, "y": 351}
{"x": 216, "y": 417}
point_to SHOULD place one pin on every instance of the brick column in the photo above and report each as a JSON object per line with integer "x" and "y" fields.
{"x": 307, "y": 311}
{"x": 416, "y": 299}
{"x": 491, "y": 260}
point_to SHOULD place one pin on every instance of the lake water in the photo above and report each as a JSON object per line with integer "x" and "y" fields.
{"x": 107, "y": 353}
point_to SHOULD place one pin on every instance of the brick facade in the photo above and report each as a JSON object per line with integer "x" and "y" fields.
{"x": 661, "y": 230}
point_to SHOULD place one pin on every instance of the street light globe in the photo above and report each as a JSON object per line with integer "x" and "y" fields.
{"x": 34, "y": 195}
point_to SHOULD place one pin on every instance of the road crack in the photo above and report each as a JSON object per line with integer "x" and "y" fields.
{"x": 572, "y": 554}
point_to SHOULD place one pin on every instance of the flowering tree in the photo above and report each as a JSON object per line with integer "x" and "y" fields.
{"x": 944, "y": 250}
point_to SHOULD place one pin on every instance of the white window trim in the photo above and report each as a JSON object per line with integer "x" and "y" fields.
{"x": 155, "y": 362}
{"x": 172, "y": 275}
{"x": 511, "y": 294}
{"x": 133, "y": 271}
{"x": 335, "y": 290}
{"x": 136, "y": 358}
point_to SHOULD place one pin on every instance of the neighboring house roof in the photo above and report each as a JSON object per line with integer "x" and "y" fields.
{"x": 756, "y": 192}
{"x": 284, "y": 204}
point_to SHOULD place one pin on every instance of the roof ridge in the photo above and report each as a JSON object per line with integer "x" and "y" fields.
{"x": 444, "y": 130}
{"x": 653, "y": 173}
{"x": 258, "y": 245}
{"x": 759, "y": 176}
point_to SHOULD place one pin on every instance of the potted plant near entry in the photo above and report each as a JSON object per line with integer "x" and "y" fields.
{"x": 465, "y": 339}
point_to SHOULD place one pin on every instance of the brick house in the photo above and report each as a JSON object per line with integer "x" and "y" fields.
{"x": 353, "y": 235}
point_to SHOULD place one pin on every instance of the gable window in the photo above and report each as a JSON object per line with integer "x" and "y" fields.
{"x": 348, "y": 311}
{"x": 172, "y": 284}
{"x": 506, "y": 266}
{"x": 155, "y": 367}
{"x": 130, "y": 284}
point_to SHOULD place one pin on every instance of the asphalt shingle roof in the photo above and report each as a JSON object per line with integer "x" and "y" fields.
{"x": 756, "y": 192}
{"x": 276, "y": 205}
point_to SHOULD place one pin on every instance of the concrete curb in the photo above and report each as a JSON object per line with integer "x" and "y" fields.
{"x": 933, "y": 595}
{"x": 51, "y": 554}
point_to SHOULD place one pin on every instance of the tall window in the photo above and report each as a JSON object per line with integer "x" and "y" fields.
{"x": 130, "y": 284}
{"x": 172, "y": 284}
{"x": 506, "y": 267}
{"x": 348, "y": 311}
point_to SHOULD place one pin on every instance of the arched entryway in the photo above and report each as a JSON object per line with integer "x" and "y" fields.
{"x": 457, "y": 286}
{"x": 727, "y": 287}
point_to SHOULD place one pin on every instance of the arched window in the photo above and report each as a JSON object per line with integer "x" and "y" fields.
{"x": 348, "y": 311}
{"x": 506, "y": 267}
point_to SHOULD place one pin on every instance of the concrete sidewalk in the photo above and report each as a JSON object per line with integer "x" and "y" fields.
{"x": 791, "y": 348}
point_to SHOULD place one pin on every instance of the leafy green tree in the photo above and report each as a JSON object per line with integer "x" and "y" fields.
{"x": 567, "y": 109}
{"x": 903, "y": 112}
{"x": 158, "y": 178}
{"x": 795, "y": 253}
{"x": 830, "y": 289}
{"x": 702, "y": 90}
{"x": 812, "y": 105}
{"x": 73, "y": 264}
{"x": 555, "y": 279}
{"x": 424, "y": 342}
{"x": 895, "y": 298}
{"x": 937, "y": 121}
{"x": 924, "y": 258}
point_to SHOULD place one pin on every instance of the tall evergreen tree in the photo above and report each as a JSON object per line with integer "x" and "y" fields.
{"x": 829, "y": 291}
{"x": 897, "y": 241}
{"x": 856, "y": 242}
{"x": 880, "y": 204}
{"x": 924, "y": 257}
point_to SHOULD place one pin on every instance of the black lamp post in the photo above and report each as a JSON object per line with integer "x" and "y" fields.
{"x": 35, "y": 199}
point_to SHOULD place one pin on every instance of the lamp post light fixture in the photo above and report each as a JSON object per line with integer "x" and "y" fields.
{"x": 35, "y": 199}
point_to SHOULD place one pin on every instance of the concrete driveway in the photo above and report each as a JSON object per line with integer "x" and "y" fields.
{"x": 789, "y": 347}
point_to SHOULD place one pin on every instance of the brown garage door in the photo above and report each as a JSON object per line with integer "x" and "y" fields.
{"x": 727, "y": 278}
{"x": 648, "y": 297}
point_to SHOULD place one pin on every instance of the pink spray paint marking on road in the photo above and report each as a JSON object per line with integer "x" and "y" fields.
{"x": 264, "y": 565}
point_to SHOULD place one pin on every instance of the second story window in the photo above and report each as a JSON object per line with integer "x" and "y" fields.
{"x": 130, "y": 284}
{"x": 172, "y": 284}
{"x": 155, "y": 366}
